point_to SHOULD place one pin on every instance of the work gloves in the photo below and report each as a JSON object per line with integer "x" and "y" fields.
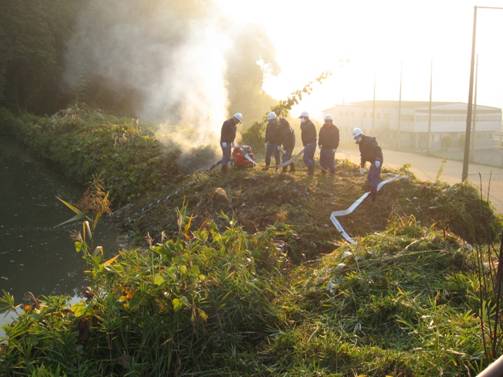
{"x": 363, "y": 171}
{"x": 377, "y": 164}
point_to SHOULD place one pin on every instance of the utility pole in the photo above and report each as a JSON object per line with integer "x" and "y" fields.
{"x": 374, "y": 106}
{"x": 429, "y": 106}
{"x": 466, "y": 157}
{"x": 399, "y": 108}
{"x": 474, "y": 120}
{"x": 468, "y": 131}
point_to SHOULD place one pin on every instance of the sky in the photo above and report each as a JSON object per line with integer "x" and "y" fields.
{"x": 362, "y": 42}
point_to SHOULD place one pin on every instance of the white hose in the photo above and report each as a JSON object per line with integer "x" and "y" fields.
{"x": 247, "y": 156}
{"x": 286, "y": 163}
{"x": 334, "y": 215}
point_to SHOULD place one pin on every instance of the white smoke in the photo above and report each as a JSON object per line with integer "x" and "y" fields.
{"x": 170, "y": 53}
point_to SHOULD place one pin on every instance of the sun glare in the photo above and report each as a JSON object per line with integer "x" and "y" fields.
{"x": 368, "y": 42}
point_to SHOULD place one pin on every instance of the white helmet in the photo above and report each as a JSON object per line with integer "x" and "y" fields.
{"x": 238, "y": 117}
{"x": 328, "y": 117}
{"x": 304, "y": 114}
{"x": 271, "y": 116}
{"x": 357, "y": 132}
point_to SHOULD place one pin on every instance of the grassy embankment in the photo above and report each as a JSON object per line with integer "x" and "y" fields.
{"x": 82, "y": 144}
{"x": 218, "y": 301}
{"x": 231, "y": 292}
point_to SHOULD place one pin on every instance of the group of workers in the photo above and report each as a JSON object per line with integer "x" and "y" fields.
{"x": 280, "y": 143}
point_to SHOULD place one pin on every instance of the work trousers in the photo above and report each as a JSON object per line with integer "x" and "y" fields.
{"x": 226, "y": 152}
{"x": 327, "y": 160}
{"x": 272, "y": 150}
{"x": 309, "y": 151}
{"x": 374, "y": 176}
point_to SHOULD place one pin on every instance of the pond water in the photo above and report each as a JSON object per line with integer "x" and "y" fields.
{"x": 34, "y": 255}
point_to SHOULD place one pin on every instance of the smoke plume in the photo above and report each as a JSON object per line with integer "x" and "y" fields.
{"x": 166, "y": 62}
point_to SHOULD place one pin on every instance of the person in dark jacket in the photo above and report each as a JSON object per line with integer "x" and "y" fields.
{"x": 272, "y": 140}
{"x": 227, "y": 136}
{"x": 369, "y": 151}
{"x": 288, "y": 143}
{"x": 308, "y": 135}
{"x": 328, "y": 142}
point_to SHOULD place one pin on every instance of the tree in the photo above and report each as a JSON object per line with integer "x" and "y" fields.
{"x": 33, "y": 37}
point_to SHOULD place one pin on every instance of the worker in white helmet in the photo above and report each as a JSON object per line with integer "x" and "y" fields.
{"x": 227, "y": 137}
{"x": 272, "y": 140}
{"x": 308, "y": 135}
{"x": 371, "y": 152}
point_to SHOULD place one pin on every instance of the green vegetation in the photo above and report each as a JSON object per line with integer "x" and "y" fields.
{"x": 260, "y": 199}
{"x": 85, "y": 143}
{"x": 217, "y": 300}
{"x": 32, "y": 46}
{"x": 202, "y": 301}
{"x": 402, "y": 303}
{"x": 243, "y": 274}
{"x": 249, "y": 278}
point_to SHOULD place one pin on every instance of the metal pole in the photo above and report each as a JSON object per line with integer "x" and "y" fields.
{"x": 474, "y": 118}
{"x": 399, "y": 107}
{"x": 429, "y": 107}
{"x": 466, "y": 157}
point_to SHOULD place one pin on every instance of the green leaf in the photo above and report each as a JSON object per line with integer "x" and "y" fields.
{"x": 7, "y": 303}
{"x": 79, "y": 309}
{"x": 70, "y": 206}
{"x": 158, "y": 279}
{"x": 78, "y": 246}
{"x": 177, "y": 304}
{"x": 202, "y": 314}
{"x": 182, "y": 269}
{"x": 72, "y": 220}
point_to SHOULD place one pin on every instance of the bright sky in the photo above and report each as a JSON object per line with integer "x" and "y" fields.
{"x": 358, "y": 40}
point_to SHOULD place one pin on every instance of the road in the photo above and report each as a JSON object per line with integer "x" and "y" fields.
{"x": 427, "y": 168}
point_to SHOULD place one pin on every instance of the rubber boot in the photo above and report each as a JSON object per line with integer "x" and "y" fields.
{"x": 225, "y": 169}
{"x": 292, "y": 168}
{"x": 265, "y": 168}
{"x": 284, "y": 169}
{"x": 310, "y": 171}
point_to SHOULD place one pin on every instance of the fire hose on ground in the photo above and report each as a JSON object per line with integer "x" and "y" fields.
{"x": 334, "y": 216}
{"x": 294, "y": 157}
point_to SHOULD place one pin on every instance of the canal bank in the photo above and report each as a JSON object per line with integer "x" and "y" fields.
{"x": 35, "y": 255}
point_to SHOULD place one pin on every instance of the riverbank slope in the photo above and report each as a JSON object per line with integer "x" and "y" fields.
{"x": 243, "y": 274}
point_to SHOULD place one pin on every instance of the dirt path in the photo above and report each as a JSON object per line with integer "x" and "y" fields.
{"x": 427, "y": 168}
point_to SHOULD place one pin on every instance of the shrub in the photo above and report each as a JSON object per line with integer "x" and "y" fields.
{"x": 193, "y": 303}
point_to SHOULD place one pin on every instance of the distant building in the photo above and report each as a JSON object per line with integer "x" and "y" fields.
{"x": 448, "y": 124}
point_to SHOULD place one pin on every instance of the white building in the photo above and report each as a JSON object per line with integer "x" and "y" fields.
{"x": 448, "y": 124}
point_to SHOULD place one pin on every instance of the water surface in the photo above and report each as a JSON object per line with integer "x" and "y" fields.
{"x": 34, "y": 255}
